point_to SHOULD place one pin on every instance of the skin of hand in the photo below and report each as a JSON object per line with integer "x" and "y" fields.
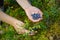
{"x": 19, "y": 27}
{"x": 17, "y": 24}
{"x": 31, "y": 10}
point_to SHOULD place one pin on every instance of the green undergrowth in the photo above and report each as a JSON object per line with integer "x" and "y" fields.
{"x": 48, "y": 27}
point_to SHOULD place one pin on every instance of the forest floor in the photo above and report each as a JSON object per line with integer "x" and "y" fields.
{"x": 48, "y": 28}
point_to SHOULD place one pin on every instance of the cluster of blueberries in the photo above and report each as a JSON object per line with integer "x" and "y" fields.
{"x": 36, "y": 16}
{"x": 33, "y": 32}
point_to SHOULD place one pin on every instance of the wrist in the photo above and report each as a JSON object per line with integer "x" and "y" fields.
{"x": 27, "y": 6}
{"x": 24, "y": 4}
{"x": 18, "y": 22}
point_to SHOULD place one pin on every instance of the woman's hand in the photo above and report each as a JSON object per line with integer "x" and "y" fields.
{"x": 33, "y": 10}
{"x": 30, "y": 10}
{"x": 18, "y": 25}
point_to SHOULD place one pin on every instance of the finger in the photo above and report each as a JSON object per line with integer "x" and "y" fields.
{"x": 40, "y": 12}
{"x": 37, "y": 20}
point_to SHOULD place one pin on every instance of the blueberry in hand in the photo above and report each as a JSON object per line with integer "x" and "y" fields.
{"x": 36, "y": 16}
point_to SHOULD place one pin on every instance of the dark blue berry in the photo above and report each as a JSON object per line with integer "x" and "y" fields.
{"x": 31, "y": 33}
{"x": 36, "y": 16}
{"x": 34, "y": 29}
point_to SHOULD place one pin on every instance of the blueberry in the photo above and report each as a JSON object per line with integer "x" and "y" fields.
{"x": 36, "y": 16}
{"x": 34, "y": 29}
{"x": 31, "y": 33}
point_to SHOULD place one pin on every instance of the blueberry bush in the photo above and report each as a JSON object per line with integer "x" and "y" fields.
{"x": 47, "y": 29}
